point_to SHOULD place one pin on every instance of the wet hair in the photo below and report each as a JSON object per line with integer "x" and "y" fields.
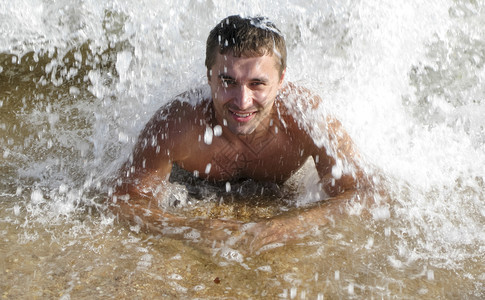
{"x": 241, "y": 36}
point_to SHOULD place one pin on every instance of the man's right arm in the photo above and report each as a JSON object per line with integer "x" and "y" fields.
{"x": 138, "y": 201}
{"x": 143, "y": 183}
{"x": 143, "y": 179}
{"x": 151, "y": 162}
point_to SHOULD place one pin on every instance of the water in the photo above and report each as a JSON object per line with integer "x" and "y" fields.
{"x": 78, "y": 80}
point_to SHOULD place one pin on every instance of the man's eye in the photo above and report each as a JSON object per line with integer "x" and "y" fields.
{"x": 228, "y": 82}
{"x": 257, "y": 84}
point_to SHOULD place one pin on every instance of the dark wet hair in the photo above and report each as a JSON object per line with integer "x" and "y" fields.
{"x": 251, "y": 36}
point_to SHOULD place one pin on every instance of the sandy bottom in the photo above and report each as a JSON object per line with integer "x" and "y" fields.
{"x": 87, "y": 256}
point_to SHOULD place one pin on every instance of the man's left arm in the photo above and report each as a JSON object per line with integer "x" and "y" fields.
{"x": 341, "y": 177}
{"x": 339, "y": 166}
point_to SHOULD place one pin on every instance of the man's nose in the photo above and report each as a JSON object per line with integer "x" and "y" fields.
{"x": 244, "y": 99}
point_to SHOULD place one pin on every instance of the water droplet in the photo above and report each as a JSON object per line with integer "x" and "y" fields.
{"x": 37, "y": 197}
{"x": 350, "y": 288}
{"x": 74, "y": 91}
{"x": 208, "y": 135}
{"x": 217, "y": 130}
{"x": 16, "y": 210}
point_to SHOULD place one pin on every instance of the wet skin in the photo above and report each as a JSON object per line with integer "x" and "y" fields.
{"x": 244, "y": 131}
{"x": 243, "y": 92}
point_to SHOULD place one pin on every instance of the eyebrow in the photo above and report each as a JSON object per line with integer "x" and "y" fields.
{"x": 224, "y": 76}
{"x": 227, "y": 77}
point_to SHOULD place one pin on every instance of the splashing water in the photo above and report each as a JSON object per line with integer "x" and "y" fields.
{"x": 78, "y": 81}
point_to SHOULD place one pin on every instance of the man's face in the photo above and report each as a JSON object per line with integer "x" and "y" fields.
{"x": 243, "y": 91}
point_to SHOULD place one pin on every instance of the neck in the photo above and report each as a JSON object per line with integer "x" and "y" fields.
{"x": 262, "y": 130}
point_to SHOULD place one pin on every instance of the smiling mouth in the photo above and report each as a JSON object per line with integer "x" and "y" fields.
{"x": 242, "y": 116}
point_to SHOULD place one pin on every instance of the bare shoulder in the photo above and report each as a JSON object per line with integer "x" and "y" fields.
{"x": 190, "y": 105}
{"x": 307, "y": 109}
{"x": 300, "y": 97}
{"x": 184, "y": 112}
{"x": 299, "y": 107}
{"x": 175, "y": 123}
{"x": 310, "y": 119}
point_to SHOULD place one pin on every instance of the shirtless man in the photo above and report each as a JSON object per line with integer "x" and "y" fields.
{"x": 245, "y": 128}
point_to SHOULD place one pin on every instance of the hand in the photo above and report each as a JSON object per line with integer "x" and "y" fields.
{"x": 216, "y": 230}
{"x": 285, "y": 228}
{"x": 266, "y": 232}
{"x": 217, "y": 234}
{"x": 252, "y": 237}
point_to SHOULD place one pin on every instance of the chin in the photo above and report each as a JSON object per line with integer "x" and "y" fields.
{"x": 242, "y": 130}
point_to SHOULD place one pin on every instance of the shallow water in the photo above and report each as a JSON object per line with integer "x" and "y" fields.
{"x": 79, "y": 80}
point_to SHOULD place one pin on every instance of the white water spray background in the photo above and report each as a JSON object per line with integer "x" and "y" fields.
{"x": 404, "y": 79}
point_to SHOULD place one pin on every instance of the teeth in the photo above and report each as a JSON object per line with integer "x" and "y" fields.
{"x": 242, "y": 115}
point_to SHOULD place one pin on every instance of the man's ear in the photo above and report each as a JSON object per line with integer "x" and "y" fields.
{"x": 209, "y": 73}
{"x": 282, "y": 77}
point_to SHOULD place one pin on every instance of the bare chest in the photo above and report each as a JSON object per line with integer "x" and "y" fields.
{"x": 274, "y": 157}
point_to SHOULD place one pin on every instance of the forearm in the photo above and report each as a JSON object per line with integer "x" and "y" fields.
{"x": 150, "y": 217}
{"x": 297, "y": 223}
{"x": 141, "y": 210}
{"x": 336, "y": 187}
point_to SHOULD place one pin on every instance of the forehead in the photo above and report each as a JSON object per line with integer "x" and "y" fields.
{"x": 226, "y": 63}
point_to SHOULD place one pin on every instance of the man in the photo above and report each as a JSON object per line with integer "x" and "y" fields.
{"x": 246, "y": 128}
